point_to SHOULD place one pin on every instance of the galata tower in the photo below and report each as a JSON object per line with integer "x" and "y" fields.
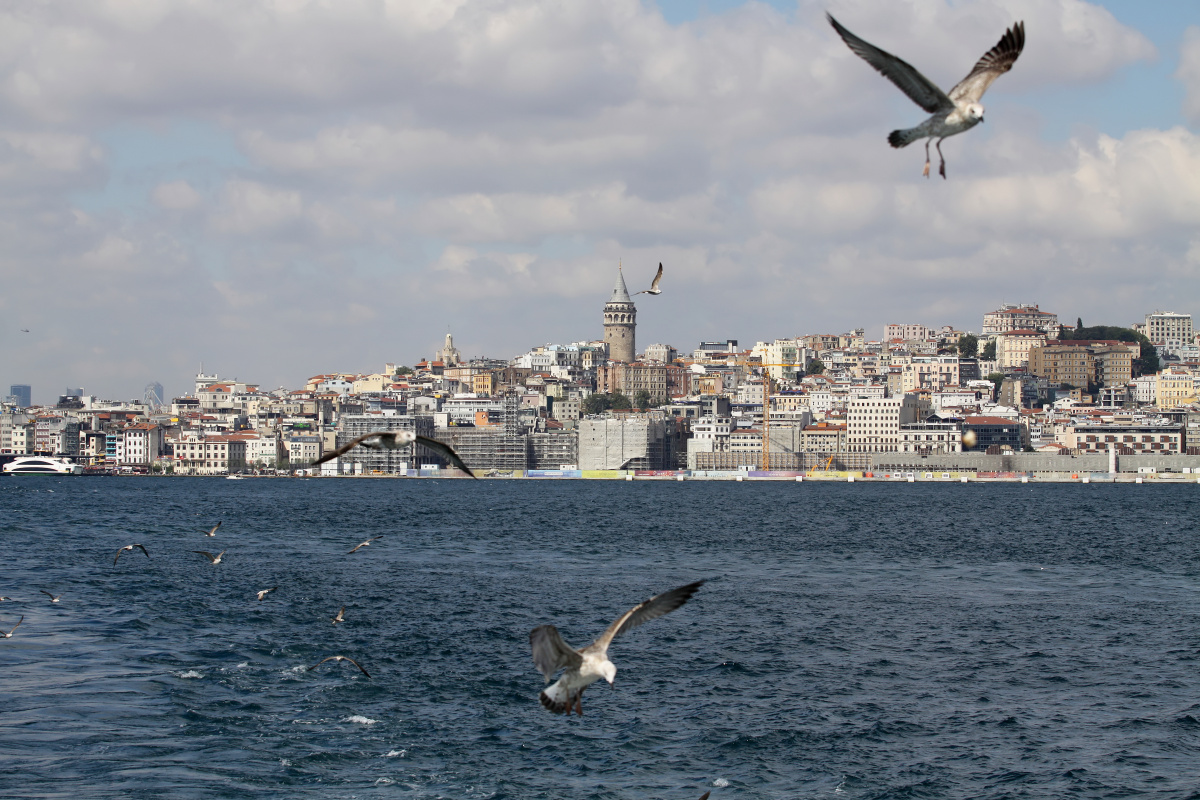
{"x": 620, "y": 321}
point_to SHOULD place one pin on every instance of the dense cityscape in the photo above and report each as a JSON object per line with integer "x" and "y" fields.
{"x": 1027, "y": 386}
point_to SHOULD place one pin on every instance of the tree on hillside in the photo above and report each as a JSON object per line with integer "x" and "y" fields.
{"x": 1079, "y": 323}
{"x": 998, "y": 379}
{"x": 641, "y": 399}
{"x": 620, "y": 402}
{"x": 815, "y": 367}
{"x": 989, "y": 351}
{"x": 968, "y": 345}
{"x": 596, "y": 404}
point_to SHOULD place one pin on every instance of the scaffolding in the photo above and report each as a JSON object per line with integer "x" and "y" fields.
{"x": 387, "y": 462}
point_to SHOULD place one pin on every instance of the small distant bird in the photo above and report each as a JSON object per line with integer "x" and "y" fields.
{"x": 2, "y": 599}
{"x": 653, "y": 284}
{"x": 53, "y": 599}
{"x": 340, "y": 658}
{"x": 264, "y": 592}
{"x": 952, "y": 113}
{"x": 14, "y": 627}
{"x": 391, "y": 440}
{"x": 341, "y": 616}
{"x": 584, "y": 667}
{"x": 214, "y": 559}
{"x": 24, "y": 330}
{"x": 364, "y": 544}
{"x": 130, "y": 547}
{"x": 213, "y": 532}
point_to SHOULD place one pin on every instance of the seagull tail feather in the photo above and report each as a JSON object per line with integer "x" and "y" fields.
{"x": 555, "y": 699}
{"x": 905, "y": 137}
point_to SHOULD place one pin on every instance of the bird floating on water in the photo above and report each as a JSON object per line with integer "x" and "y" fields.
{"x": 14, "y": 627}
{"x": 392, "y": 440}
{"x": 364, "y": 544}
{"x": 340, "y": 658}
{"x": 265, "y": 592}
{"x": 953, "y": 112}
{"x": 53, "y": 598}
{"x": 129, "y": 547}
{"x": 214, "y": 559}
{"x": 213, "y": 532}
{"x": 584, "y": 667}
{"x": 653, "y": 284}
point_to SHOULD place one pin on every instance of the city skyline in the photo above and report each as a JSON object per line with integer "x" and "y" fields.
{"x": 277, "y": 192}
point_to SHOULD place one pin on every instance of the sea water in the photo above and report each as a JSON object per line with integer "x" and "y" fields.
{"x": 851, "y": 640}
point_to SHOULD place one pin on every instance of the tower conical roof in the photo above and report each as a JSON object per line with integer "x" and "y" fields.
{"x": 620, "y": 293}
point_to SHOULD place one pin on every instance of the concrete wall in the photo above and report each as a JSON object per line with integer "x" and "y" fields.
{"x": 1033, "y": 462}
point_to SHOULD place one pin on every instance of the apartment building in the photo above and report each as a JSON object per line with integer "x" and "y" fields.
{"x": 1174, "y": 386}
{"x": 1019, "y": 317}
{"x": 1167, "y": 327}
{"x": 873, "y": 423}
{"x": 1081, "y": 363}
{"x": 1012, "y": 347}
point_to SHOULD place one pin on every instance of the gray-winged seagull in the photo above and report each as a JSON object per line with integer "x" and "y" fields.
{"x": 264, "y": 592}
{"x": 364, "y": 544}
{"x": 392, "y": 440}
{"x": 129, "y": 547}
{"x": 213, "y": 531}
{"x": 213, "y": 559}
{"x": 582, "y": 668}
{"x": 14, "y": 627}
{"x": 341, "y": 616}
{"x": 53, "y": 598}
{"x": 653, "y": 284}
{"x": 340, "y": 658}
{"x": 952, "y": 113}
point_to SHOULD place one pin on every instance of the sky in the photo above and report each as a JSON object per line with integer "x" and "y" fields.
{"x": 274, "y": 189}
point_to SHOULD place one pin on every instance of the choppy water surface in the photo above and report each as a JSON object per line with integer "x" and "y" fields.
{"x": 852, "y": 641}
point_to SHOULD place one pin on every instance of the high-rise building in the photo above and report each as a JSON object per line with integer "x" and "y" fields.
{"x": 23, "y": 393}
{"x": 620, "y": 322}
{"x": 1167, "y": 327}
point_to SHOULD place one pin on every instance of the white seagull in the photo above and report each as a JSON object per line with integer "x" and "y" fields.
{"x": 130, "y": 547}
{"x": 340, "y": 658}
{"x": 265, "y": 592}
{"x": 584, "y": 667}
{"x": 341, "y": 616}
{"x": 53, "y": 598}
{"x": 14, "y": 627}
{"x": 213, "y": 559}
{"x": 653, "y": 284}
{"x": 392, "y": 440}
{"x": 952, "y": 113}
{"x": 364, "y": 544}
{"x": 213, "y": 532}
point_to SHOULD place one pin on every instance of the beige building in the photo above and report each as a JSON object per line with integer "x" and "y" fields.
{"x": 1174, "y": 387}
{"x": 873, "y": 423}
{"x": 1012, "y": 347}
{"x": 1080, "y": 363}
{"x": 1017, "y": 317}
{"x": 928, "y": 372}
{"x": 660, "y": 380}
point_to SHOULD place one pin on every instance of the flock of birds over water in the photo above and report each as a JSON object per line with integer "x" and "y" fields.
{"x": 951, "y": 113}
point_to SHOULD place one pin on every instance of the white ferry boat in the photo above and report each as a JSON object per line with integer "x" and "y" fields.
{"x": 41, "y": 465}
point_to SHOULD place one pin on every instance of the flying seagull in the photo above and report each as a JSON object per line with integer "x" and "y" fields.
{"x": 340, "y": 658}
{"x": 14, "y": 627}
{"x": 653, "y": 284}
{"x": 391, "y": 440}
{"x": 364, "y": 544}
{"x": 214, "y": 559}
{"x": 24, "y": 330}
{"x": 584, "y": 667}
{"x": 952, "y": 113}
{"x": 264, "y": 592}
{"x": 341, "y": 616}
{"x": 53, "y": 598}
{"x": 130, "y": 547}
{"x": 213, "y": 532}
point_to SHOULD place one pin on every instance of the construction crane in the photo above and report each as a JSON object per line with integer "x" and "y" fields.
{"x": 765, "y": 459}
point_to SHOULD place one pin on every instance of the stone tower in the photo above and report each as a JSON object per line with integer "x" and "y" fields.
{"x": 620, "y": 320}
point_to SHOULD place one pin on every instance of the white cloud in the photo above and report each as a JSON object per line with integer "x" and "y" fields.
{"x": 176, "y": 195}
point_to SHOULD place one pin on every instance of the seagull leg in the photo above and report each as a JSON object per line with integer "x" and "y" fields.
{"x": 926, "y": 172}
{"x": 942, "y": 166}
{"x": 578, "y": 704}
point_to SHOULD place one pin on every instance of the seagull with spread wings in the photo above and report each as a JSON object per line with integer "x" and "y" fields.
{"x": 340, "y": 658}
{"x": 953, "y": 112}
{"x": 392, "y": 440}
{"x": 581, "y": 668}
{"x": 653, "y": 284}
{"x": 129, "y": 548}
{"x": 14, "y": 628}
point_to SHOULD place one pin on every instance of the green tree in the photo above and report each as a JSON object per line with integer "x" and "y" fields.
{"x": 641, "y": 399}
{"x": 1079, "y": 323}
{"x": 596, "y": 403}
{"x": 815, "y": 367}
{"x": 402, "y": 370}
{"x": 968, "y": 345}
{"x": 620, "y": 402}
{"x": 989, "y": 351}
{"x": 996, "y": 378}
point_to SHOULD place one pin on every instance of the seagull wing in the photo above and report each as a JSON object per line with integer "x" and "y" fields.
{"x": 118, "y": 557}
{"x": 346, "y": 448}
{"x": 43, "y": 591}
{"x": 214, "y": 529}
{"x": 551, "y": 653}
{"x": 142, "y": 547}
{"x": 446, "y": 452}
{"x": 995, "y": 62}
{"x": 206, "y": 554}
{"x": 653, "y": 608}
{"x": 657, "y": 278}
{"x": 919, "y": 89}
{"x": 14, "y": 627}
